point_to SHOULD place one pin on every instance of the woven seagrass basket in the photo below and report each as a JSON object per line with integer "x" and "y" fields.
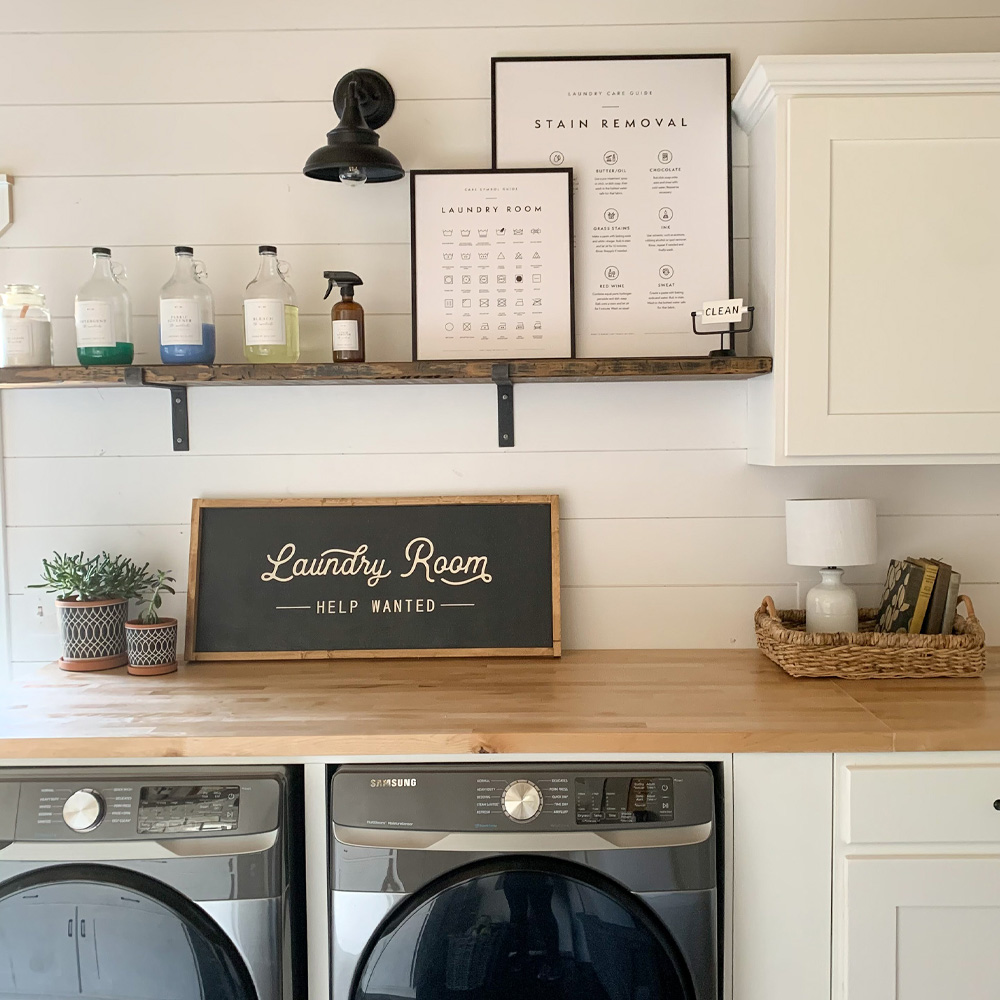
{"x": 781, "y": 636}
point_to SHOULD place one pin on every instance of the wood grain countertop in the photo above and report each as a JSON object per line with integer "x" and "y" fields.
{"x": 595, "y": 701}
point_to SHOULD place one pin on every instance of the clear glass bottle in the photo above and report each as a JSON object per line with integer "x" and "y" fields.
{"x": 103, "y": 315}
{"x": 25, "y": 327}
{"x": 187, "y": 314}
{"x": 270, "y": 313}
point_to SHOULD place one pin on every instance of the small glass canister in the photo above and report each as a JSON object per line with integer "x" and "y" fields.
{"x": 25, "y": 328}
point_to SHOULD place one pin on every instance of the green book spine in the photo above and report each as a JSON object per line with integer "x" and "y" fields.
{"x": 924, "y": 597}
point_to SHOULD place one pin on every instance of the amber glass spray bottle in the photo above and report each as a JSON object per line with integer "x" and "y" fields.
{"x": 347, "y": 316}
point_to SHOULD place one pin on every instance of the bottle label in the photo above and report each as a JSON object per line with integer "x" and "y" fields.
{"x": 345, "y": 334}
{"x": 264, "y": 322}
{"x": 93, "y": 324}
{"x": 16, "y": 335}
{"x": 180, "y": 322}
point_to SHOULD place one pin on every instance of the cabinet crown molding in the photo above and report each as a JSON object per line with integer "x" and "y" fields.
{"x": 924, "y": 73}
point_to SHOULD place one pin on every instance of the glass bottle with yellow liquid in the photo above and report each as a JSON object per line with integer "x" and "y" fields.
{"x": 270, "y": 313}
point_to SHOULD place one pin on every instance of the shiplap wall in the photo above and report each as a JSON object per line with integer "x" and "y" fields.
{"x": 142, "y": 125}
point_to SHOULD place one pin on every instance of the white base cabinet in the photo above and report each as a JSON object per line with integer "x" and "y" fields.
{"x": 874, "y": 213}
{"x": 916, "y": 877}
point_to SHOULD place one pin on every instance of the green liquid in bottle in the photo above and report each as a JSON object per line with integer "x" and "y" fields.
{"x": 286, "y": 353}
{"x": 120, "y": 354}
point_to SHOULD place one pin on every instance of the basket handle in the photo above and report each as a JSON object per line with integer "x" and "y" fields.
{"x": 768, "y": 605}
{"x": 970, "y": 611}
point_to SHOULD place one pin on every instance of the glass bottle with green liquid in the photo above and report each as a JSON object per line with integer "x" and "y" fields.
{"x": 270, "y": 313}
{"x": 103, "y": 315}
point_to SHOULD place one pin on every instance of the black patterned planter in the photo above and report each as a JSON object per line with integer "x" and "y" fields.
{"x": 152, "y": 649}
{"x": 93, "y": 634}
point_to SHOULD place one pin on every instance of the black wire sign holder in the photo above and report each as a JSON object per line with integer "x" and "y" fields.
{"x": 722, "y": 351}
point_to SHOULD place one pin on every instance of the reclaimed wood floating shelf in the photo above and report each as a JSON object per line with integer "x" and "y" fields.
{"x": 177, "y": 378}
{"x": 570, "y": 370}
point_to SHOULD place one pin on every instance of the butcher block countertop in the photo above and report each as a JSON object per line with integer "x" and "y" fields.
{"x": 587, "y": 702}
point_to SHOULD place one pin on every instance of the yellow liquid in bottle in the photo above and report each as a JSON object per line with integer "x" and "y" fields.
{"x": 286, "y": 353}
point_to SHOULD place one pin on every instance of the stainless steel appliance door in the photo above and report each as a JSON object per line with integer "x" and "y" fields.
{"x": 95, "y": 931}
{"x": 526, "y": 927}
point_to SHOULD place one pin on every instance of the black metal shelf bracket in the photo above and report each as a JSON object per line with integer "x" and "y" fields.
{"x": 505, "y": 405}
{"x": 134, "y": 376}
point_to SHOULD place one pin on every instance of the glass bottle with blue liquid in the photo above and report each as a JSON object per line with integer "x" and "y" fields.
{"x": 187, "y": 313}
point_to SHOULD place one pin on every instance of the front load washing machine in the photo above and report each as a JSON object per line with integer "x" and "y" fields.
{"x": 556, "y": 882}
{"x": 148, "y": 884}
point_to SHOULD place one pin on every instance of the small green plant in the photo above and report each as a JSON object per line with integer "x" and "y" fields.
{"x": 152, "y": 596}
{"x": 78, "y": 578}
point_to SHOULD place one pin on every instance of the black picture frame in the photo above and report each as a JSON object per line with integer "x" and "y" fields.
{"x": 415, "y": 175}
{"x": 645, "y": 57}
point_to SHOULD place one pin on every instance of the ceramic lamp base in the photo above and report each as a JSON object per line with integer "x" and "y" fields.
{"x": 830, "y": 605}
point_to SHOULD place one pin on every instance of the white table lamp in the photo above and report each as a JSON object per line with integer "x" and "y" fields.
{"x": 831, "y": 534}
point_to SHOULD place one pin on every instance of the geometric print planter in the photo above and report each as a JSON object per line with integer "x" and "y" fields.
{"x": 93, "y": 633}
{"x": 152, "y": 649}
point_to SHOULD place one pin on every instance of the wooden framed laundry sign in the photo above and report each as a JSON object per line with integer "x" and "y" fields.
{"x": 387, "y": 577}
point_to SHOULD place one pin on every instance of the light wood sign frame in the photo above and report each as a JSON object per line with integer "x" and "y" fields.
{"x": 368, "y": 575}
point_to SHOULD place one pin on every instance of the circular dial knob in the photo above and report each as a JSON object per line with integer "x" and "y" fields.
{"x": 522, "y": 801}
{"x": 83, "y": 810}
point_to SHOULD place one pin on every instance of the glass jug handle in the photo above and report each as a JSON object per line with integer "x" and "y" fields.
{"x": 200, "y": 271}
{"x": 118, "y": 271}
{"x": 283, "y": 267}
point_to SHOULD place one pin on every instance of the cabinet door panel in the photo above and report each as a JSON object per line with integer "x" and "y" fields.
{"x": 921, "y": 928}
{"x": 893, "y": 211}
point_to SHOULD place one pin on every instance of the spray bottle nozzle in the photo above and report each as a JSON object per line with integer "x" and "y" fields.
{"x": 345, "y": 279}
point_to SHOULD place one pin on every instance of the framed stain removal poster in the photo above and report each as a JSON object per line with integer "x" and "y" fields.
{"x": 649, "y": 142}
{"x": 492, "y": 257}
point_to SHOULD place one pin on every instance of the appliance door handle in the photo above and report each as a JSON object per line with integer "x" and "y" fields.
{"x": 524, "y": 841}
{"x": 140, "y": 850}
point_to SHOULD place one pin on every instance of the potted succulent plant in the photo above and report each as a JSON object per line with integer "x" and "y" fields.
{"x": 92, "y": 596}
{"x": 152, "y": 640}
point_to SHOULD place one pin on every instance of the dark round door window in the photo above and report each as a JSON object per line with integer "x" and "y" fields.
{"x": 522, "y": 929}
{"x": 100, "y": 932}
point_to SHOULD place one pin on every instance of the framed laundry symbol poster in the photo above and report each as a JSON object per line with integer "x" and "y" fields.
{"x": 492, "y": 260}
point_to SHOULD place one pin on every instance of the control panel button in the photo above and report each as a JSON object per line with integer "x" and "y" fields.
{"x": 522, "y": 801}
{"x": 83, "y": 810}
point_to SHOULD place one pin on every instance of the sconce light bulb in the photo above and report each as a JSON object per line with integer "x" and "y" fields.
{"x": 353, "y": 176}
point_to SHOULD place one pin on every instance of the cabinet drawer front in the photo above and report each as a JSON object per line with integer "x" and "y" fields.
{"x": 922, "y": 804}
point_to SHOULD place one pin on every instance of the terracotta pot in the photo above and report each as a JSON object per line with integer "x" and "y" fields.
{"x": 152, "y": 649}
{"x": 93, "y": 633}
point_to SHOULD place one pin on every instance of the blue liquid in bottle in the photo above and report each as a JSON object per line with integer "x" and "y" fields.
{"x": 191, "y": 354}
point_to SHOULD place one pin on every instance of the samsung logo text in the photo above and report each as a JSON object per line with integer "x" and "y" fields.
{"x": 394, "y": 782}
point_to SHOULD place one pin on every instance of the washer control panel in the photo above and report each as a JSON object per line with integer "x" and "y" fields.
{"x": 83, "y": 810}
{"x": 188, "y": 808}
{"x": 530, "y": 797}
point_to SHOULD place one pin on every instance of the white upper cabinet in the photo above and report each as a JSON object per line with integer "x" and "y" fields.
{"x": 874, "y": 255}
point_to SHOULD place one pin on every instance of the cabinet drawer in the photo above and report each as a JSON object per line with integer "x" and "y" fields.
{"x": 922, "y": 804}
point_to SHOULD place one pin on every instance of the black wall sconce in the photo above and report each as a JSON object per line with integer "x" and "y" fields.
{"x": 364, "y": 100}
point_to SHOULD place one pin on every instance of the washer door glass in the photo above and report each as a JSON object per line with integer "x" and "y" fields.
{"x": 94, "y": 931}
{"x": 519, "y": 929}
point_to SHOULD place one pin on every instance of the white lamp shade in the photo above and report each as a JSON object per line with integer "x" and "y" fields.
{"x": 830, "y": 532}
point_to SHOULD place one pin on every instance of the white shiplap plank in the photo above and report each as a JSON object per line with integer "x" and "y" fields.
{"x": 241, "y": 209}
{"x": 260, "y": 15}
{"x": 282, "y": 65}
{"x": 591, "y": 484}
{"x": 220, "y": 138}
{"x": 117, "y": 139}
{"x": 229, "y": 420}
{"x": 602, "y": 552}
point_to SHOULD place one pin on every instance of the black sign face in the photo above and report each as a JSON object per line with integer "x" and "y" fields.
{"x": 417, "y": 577}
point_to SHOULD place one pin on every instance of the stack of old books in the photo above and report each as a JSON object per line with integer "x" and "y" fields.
{"x": 919, "y": 598}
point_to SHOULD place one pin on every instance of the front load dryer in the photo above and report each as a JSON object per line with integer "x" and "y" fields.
{"x": 521, "y": 882}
